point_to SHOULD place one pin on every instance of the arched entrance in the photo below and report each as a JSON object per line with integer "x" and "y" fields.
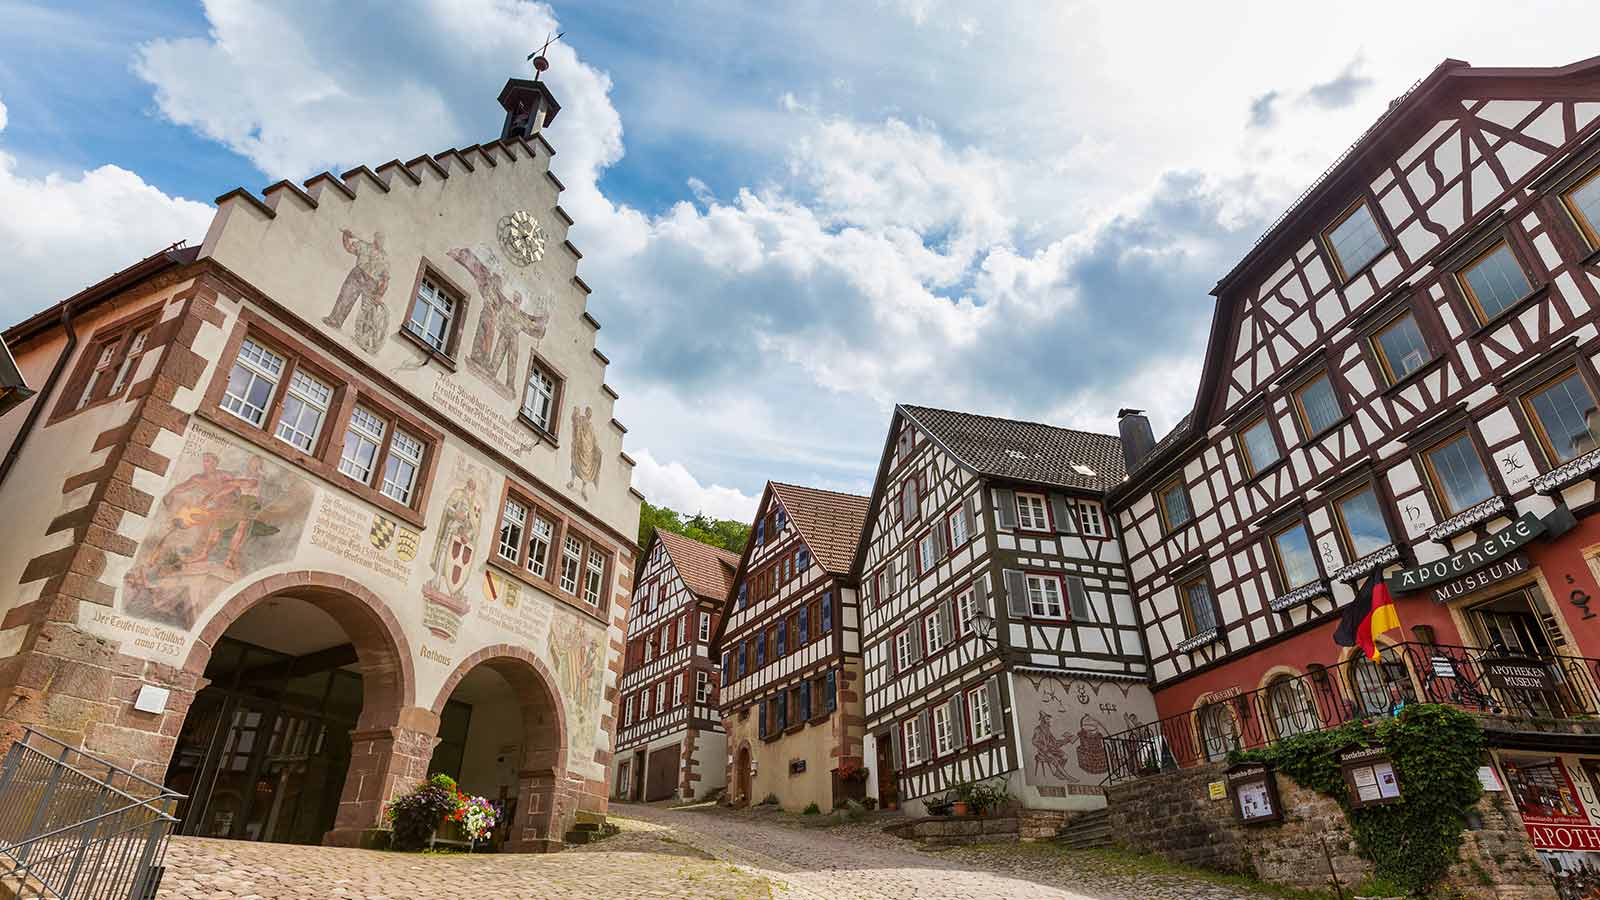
{"x": 742, "y": 777}
{"x": 502, "y": 735}
{"x": 299, "y": 730}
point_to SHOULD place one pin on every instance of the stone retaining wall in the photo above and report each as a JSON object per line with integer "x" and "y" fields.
{"x": 945, "y": 831}
{"x": 1172, "y": 815}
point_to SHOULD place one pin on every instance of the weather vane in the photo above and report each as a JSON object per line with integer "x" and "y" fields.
{"x": 540, "y": 63}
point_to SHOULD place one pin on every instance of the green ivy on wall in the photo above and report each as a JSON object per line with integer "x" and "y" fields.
{"x": 1435, "y": 749}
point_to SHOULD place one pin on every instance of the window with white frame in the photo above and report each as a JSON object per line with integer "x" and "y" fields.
{"x": 539, "y": 537}
{"x": 944, "y": 732}
{"x": 401, "y": 468}
{"x": 927, "y": 552}
{"x": 571, "y": 562}
{"x": 363, "y": 438}
{"x": 252, "y": 382}
{"x": 980, "y": 718}
{"x": 1089, "y": 516}
{"x": 966, "y": 612}
{"x": 702, "y": 688}
{"x": 661, "y": 695}
{"x": 102, "y": 365}
{"x": 958, "y": 528}
{"x": 431, "y": 315}
{"x": 902, "y": 649}
{"x": 666, "y": 646}
{"x": 677, "y": 688}
{"x": 627, "y": 717}
{"x": 1032, "y": 513}
{"x": 594, "y": 577}
{"x": 304, "y": 408}
{"x": 539, "y": 400}
{"x": 130, "y": 358}
{"x": 649, "y": 649}
{"x": 916, "y": 743}
{"x": 934, "y": 633}
{"x": 512, "y": 522}
{"x": 1044, "y": 596}
{"x": 705, "y": 626}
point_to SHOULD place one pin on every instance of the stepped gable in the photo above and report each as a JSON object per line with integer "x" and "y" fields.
{"x": 1024, "y": 451}
{"x": 707, "y": 570}
{"x": 830, "y": 522}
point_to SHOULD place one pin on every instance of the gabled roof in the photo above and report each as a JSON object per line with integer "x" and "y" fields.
{"x": 830, "y": 522}
{"x": 1024, "y": 451}
{"x": 707, "y": 570}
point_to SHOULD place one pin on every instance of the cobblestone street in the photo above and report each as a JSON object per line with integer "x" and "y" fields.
{"x": 663, "y": 853}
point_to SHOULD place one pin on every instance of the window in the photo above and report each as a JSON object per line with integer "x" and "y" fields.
{"x": 539, "y": 538}
{"x": 980, "y": 718}
{"x": 401, "y": 466}
{"x": 927, "y": 552}
{"x": 1259, "y": 447}
{"x": 1044, "y": 597}
{"x": 727, "y": 667}
{"x": 251, "y": 384}
{"x": 966, "y": 612}
{"x": 1032, "y": 513}
{"x": 958, "y": 528}
{"x": 627, "y": 716}
{"x": 1457, "y": 473}
{"x": 432, "y": 312}
{"x": 1089, "y": 516}
{"x": 915, "y": 742}
{"x": 539, "y": 400}
{"x": 1354, "y": 240}
{"x": 1563, "y": 413}
{"x": 1289, "y": 706}
{"x": 661, "y": 695}
{"x": 104, "y": 358}
{"x": 933, "y": 633}
{"x": 1361, "y": 522}
{"x": 363, "y": 438}
{"x": 1494, "y": 281}
{"x": 1583, "y": 204}
{"x": 902, "y": 649}
{"x": 1219, "y": 733}
{"x": 1174, "y": 502}
{"x": 1296, "y": 563}
{"x": 880, "y": 588}
{"x": 1199, "y": 613}
{"x": 119, "y": 353}
{"x": 802, "y": 560}
{"x": 649, "y": 648}
{"x": 705, "y": 626}
{"x": 131, "y": 354}
{"x": 944, "y": 733}
{"x": 1317, "y": 405}
{"x": 677, "y": 689}
{"x": 513, "y": 519}
{"x": 571, "y": 561}
{"x": 1400, "y": 347}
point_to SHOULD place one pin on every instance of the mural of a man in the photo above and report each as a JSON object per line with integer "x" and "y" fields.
{"x": 585, "y": 452}
{"x": 366, "y": 284}
{"x": 1050, "y": 751}
{"x": 503, "y": 321}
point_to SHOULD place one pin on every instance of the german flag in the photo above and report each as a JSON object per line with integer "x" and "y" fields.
{"x": 1371, "y": 614}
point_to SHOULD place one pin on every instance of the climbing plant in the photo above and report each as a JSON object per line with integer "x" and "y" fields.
{"x": 1436, "y": 751}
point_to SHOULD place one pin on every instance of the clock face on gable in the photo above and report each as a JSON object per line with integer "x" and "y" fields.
{"x": 522, "y": 238}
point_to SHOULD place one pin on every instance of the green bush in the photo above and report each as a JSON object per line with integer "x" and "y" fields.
{"x": 1436, "y": 752}
{"x": 771, "y": 800}
{"x": 812, "y": 810}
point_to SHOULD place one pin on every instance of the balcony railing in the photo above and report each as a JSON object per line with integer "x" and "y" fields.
{"x": 1538, "y": 686}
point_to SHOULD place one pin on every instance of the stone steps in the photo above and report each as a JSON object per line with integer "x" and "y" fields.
{"x": 1086, "y": 831}
{"x": 588, "y": 828}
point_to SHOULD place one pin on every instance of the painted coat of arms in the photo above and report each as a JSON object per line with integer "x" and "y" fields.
{"x": 455, "y": 554}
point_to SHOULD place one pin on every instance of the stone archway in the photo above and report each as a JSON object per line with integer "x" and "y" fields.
{"x": 393, "y": 738}
{"x": 546, "y": 802}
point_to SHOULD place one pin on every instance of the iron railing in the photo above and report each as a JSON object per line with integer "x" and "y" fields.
{"x": 1534, "y": 686}
{"x": 75, "y": 827}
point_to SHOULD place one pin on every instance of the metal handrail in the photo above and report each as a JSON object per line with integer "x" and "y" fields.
{"x": 1548, "y": 687}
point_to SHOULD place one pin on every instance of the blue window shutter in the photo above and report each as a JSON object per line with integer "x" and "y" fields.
{"x": 783, "y": 713}
{"x": 830, "y": 692}
{"x": 761, "y": 532}
{"x": 826, "y": 625}
{"x": 805, "y": 700}
{"x": 805, "y": 622}
{"x": 783, "y": 640}
{"x": 762, "y": 730}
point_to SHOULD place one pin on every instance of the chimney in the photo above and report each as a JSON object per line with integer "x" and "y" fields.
{"x": 1137, "y": 438}
{"x": 529, "y": 107}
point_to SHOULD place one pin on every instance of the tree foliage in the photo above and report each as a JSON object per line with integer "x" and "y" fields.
{"x": 725, "y": 533}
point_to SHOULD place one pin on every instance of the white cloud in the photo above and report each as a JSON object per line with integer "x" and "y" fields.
{"x": 64, "y": 232}
{"x": 672, "y": 486}
{"x": 2, "y": 116}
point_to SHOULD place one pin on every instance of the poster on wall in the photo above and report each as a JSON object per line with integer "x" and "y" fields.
{"x": 1543, "y": 791}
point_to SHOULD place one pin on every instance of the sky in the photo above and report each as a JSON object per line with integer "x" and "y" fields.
{"x": 793, "y": 215}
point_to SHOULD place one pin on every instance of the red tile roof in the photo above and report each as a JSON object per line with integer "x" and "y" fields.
{"x": 830, "y": 522}
{"x": 707, "y": 570}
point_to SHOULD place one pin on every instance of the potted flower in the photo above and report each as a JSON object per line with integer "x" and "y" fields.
{"x": 966, "y": 794}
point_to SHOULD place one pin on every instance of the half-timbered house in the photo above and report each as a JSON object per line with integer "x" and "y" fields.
{"x": 789, "y": 645}
{"x": 1401, "y": 377}
{"x": 1001, "y": 636}
{"x": 670, "y": 741}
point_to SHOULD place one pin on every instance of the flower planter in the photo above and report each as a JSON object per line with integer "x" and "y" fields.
{"x": 960, "y": 808}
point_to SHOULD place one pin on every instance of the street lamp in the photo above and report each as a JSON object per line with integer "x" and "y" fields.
{"x": 983, "y": 626}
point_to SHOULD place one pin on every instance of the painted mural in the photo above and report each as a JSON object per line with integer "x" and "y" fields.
{"x": 227, "y": 514}
{"x": 585, "y": 452}
{"x": 1066, "y": 721}
{"x": 365, "y": 285}
{"x": 455, "y": 553}
{"x": 577, "y": 655}
{"x": 505, "y": 316}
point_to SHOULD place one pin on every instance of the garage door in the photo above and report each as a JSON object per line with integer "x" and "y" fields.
{"x": 663, "y": 774}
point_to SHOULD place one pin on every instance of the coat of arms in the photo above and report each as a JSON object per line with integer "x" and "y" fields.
{"x": 454, "y": 554}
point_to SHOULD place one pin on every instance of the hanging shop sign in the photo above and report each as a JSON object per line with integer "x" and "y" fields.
{"x": 1255, "y": 793}
{"x": 1492, "y": 559}
{"x": 1369, "y": 776}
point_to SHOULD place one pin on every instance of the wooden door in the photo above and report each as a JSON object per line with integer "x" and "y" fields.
{"x": 888, "y": 793}
{"x": 743, "y": 777}
{"x": 663, "y": 778}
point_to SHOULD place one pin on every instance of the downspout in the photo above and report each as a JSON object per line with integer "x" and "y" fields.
{"x": 46, "y": 390}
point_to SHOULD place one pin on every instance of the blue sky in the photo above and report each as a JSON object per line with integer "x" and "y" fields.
{"x": 793, "y": 215}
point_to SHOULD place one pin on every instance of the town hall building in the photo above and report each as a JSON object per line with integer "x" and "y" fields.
{"x": 330, "y": 502}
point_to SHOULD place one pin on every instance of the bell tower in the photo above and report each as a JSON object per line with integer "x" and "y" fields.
{"x": 529, "y": 105}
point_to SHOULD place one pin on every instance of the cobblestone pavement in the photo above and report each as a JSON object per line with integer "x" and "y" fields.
{"x": 665, "y": 853}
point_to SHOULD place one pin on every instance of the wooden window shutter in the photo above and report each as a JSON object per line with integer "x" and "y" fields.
{"x": 1005, "y": 508}
{"x": 1058, "y": 507}
{"x": 948, "y": 613}
{"x": 941, "y": 544}
{"x": 969, "y": 511}
{"x": 958, "y": 723}
{"x": 925, "y": 729}
{"x": 896, "y": 750}
{"x": 980, "y": 592}
{"x": 997, "y": 719}
{"x": 1078, "y": 600}
{"x": 917, "y": 639}
{"x": 1016, "y": 593}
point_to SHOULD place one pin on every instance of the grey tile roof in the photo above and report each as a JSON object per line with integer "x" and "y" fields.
{"x": 1025, "y": 451}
